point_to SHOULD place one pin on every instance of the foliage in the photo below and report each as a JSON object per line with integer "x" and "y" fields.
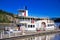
{"x": 4, "y": 18}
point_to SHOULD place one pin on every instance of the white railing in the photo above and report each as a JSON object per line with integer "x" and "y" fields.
{"x": 8, "y": 35}
{"x": 25, "y": 21}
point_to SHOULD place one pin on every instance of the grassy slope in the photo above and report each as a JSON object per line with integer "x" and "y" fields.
{"x": 3, "y": 17}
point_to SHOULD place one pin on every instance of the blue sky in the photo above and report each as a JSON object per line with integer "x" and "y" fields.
{"x": 38, "y": 8}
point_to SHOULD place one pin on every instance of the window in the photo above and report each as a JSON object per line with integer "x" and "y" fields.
{"x": 50, "y": 25}
{"x": 26, "y": 25}
{"x": 31, "y": 26}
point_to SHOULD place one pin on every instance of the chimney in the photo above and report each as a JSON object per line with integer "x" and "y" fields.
{"x": 26, "y": 11}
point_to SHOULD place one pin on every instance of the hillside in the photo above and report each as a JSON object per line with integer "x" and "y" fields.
{"x": 56, "y": 19}
{"x": 5, "y": 17}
